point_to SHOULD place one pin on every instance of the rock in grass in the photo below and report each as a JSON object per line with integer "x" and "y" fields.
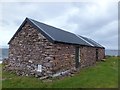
{"x": 103, "y": 60}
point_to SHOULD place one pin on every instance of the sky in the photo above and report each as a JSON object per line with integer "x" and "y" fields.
{"x": 94, "y": 19}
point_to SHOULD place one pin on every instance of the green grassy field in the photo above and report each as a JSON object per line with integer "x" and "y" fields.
{"x": 102, "y": 75}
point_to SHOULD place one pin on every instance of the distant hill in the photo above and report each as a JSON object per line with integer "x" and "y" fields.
{"x": 111, "y": 52}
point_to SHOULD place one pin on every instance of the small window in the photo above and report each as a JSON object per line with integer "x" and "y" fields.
{"x": 39, "y": 69}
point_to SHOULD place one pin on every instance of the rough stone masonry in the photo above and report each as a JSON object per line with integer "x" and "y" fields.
{"x": 30, "y": 51}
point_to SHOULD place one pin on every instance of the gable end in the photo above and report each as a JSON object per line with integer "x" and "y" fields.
{"x": 36, "y": 27}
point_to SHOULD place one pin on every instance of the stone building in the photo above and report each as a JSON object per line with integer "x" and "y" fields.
{"x": 43, "y": 50}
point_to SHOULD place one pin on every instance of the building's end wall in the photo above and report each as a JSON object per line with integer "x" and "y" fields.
{"x": 101, "y": 53}
{"x": 29, "y": 49}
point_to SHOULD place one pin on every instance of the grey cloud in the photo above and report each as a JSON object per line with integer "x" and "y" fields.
{"x": 41, "y": 11}
{"x": 85, "y": 18}
{"x": 88, "y": 24}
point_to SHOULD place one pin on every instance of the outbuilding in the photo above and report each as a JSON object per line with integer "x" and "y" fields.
{"x": 43, "y": 50}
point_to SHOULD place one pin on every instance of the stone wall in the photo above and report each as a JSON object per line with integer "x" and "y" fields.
{"x": 30, "y": 48}
{"x": 87, "y": 56}
{"x": 64, "y": 57}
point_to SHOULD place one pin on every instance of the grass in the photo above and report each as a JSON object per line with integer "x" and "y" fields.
{"x": 0, "y": 76}
{"x": 102, "y": 75}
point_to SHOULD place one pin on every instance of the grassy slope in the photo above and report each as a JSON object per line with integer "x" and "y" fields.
{"x": 102, "y": 75}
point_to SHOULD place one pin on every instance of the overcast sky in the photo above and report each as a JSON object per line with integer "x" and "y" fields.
{"x": 96, "y": 20}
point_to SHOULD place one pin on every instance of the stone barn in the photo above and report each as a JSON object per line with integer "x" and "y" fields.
{"x": 42, "y": 50}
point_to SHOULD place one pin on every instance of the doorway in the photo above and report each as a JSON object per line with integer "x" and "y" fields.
{"x": 77, "y": 57}
{"x": 96, "y": 54}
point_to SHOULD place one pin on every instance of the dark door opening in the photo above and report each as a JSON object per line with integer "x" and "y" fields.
{"x": 77, "y": 57}
{"x": 96, "y": 54}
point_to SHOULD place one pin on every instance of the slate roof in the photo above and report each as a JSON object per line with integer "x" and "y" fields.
{"x": 56, "y": 35}
{"x": 92, "y": 42}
